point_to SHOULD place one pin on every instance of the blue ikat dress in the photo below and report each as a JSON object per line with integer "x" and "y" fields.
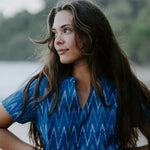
{"x": 70, "y": 127}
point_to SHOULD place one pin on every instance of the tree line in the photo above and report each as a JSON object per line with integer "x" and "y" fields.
{"x": 129, "y": 20}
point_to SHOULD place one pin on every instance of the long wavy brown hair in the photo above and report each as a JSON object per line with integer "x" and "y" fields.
{"x": 106, "y": 58}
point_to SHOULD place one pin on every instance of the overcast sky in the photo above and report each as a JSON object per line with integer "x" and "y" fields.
{"x": 11, "y": 7}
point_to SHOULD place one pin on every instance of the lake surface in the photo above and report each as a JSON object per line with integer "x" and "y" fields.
{"x": 14, "y": 74}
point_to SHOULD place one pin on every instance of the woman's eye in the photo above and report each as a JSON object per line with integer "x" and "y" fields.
{"x": 67, "y": 30}
{"x": 54, "y": 34}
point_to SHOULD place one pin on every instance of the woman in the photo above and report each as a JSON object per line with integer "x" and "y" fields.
{"x": 86, "y": 96}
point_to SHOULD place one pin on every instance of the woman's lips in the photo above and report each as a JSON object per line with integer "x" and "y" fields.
{"x": 62, "y": 51}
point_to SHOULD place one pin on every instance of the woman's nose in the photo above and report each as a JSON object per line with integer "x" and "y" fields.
{"x": 59, "y": 39}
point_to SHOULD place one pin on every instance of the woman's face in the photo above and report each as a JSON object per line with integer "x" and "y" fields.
{"x": 65, "y": 43}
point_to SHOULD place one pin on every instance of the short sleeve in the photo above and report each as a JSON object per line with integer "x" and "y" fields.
{"x": 14, "y": 104}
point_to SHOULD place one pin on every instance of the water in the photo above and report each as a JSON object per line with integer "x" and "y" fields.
{"x": 14, "y": 74}
{"x": 143, "y": 74}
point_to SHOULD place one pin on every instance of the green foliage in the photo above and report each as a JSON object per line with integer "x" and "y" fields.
{"x": 131, "y": 27}
{"x": 139, "y": 41}
{"x": 15, "y": 33}
{"x": 1, "y": 17}
{"x": 129, "y": 20}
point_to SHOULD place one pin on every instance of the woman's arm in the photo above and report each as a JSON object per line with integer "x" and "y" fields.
{"x": 9, "y": 141}
{"x": 144, "y": 147}
{"x": 139, "y": 148}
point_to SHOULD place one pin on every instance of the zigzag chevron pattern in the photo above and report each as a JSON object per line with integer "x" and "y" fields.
{"x": 73, "y": 128}
{"x": 70, "y": 127}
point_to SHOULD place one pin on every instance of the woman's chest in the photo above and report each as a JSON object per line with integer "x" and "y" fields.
{"x": 70, "y": 124}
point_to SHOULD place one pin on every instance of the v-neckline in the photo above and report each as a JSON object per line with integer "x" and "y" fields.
{"x": 87, "y": 101}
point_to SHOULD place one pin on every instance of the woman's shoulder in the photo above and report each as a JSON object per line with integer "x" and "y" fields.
{"x": 107, "y": 82}
{"x": 109, "y": 90}
{"x": 67, "y": 81}
{"x": 42, "y": 83}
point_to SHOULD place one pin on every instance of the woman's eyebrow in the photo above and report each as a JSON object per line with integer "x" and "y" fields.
{"x": 62, "y": 26}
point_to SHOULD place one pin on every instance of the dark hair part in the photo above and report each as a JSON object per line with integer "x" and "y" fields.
{"x": 105, "y": 58}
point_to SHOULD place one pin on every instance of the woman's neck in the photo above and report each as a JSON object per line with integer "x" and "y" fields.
{"x": 83, "y": 81}
{"x": 82, "y": 73}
